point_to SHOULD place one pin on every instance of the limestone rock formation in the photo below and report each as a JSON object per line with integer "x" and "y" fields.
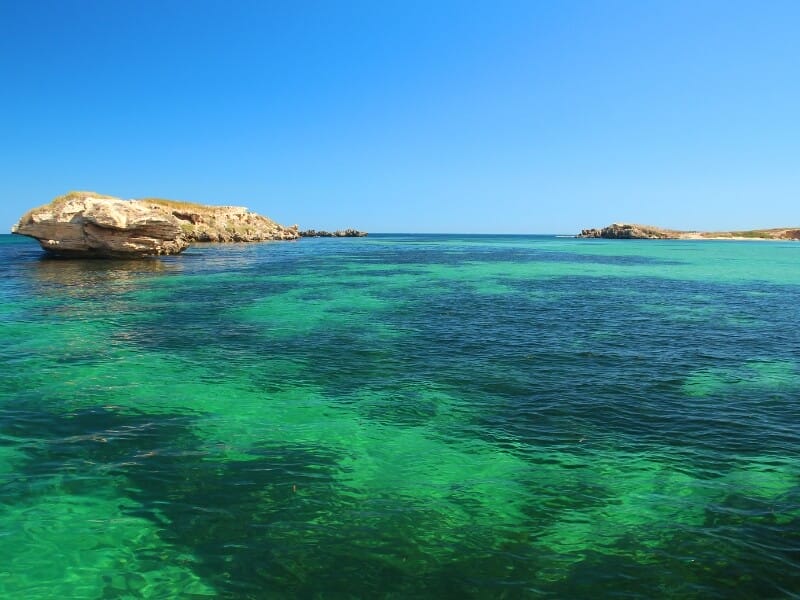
{"x": 647, "y": 232}
{"x": 87, "y": 224}
{"x": 202, "y": 223}
{"x": 90, "y": 224}
{"x": 628, "y": 231}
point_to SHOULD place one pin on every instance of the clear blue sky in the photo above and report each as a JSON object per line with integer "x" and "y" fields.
{"x": 465, "y": 116}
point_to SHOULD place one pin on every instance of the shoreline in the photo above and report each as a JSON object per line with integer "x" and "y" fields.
{"x": 633, "y": 231}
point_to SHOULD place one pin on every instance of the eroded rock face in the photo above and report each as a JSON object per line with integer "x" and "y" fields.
{"x": 83, "y": 224}
{"x": 90, "y": 224}
{"x": 628, "y": 231}
{"x": 225, "y": 223}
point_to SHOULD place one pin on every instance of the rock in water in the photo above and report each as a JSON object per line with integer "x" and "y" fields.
{"x": 629, "y": 231}
{"x": 90, "y": 224}
{"x": 201, "y": 223}
{"x": 93, "y": 225}
{"x": 337, "y": 233}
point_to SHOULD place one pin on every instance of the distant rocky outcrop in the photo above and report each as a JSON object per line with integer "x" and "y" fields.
{"x": 630, "y": 231}
{"x": 95, "y": 225}
{"x": 337, "y": 233}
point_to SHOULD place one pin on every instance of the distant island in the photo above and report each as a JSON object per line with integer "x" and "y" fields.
{"x": 337, "y": 233}
{"x": 88, "y": 224}
{"x": 631, "y": 231}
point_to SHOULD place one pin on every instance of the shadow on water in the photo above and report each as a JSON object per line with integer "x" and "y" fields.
{"x": 79, "y": 276}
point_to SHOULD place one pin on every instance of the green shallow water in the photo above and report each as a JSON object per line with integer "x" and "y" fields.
{"x": 403, "y": 417}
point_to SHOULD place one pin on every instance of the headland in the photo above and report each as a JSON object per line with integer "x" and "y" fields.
{"x": 88, "y": 224}
{"x": 632, "y": 231}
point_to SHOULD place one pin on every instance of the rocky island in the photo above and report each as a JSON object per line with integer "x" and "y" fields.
{"x": 632, "y": 231}
{"x": 337, "y": 233}
{"x": 96, "y": 225}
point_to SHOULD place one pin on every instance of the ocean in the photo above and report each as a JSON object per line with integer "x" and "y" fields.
{"x": 402, "y": 416}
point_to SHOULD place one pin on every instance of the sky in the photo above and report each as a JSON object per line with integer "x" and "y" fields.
{"x": 407, "y": 116}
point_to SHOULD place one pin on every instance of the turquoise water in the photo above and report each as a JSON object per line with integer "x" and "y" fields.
{"x": 403, "y": 416}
